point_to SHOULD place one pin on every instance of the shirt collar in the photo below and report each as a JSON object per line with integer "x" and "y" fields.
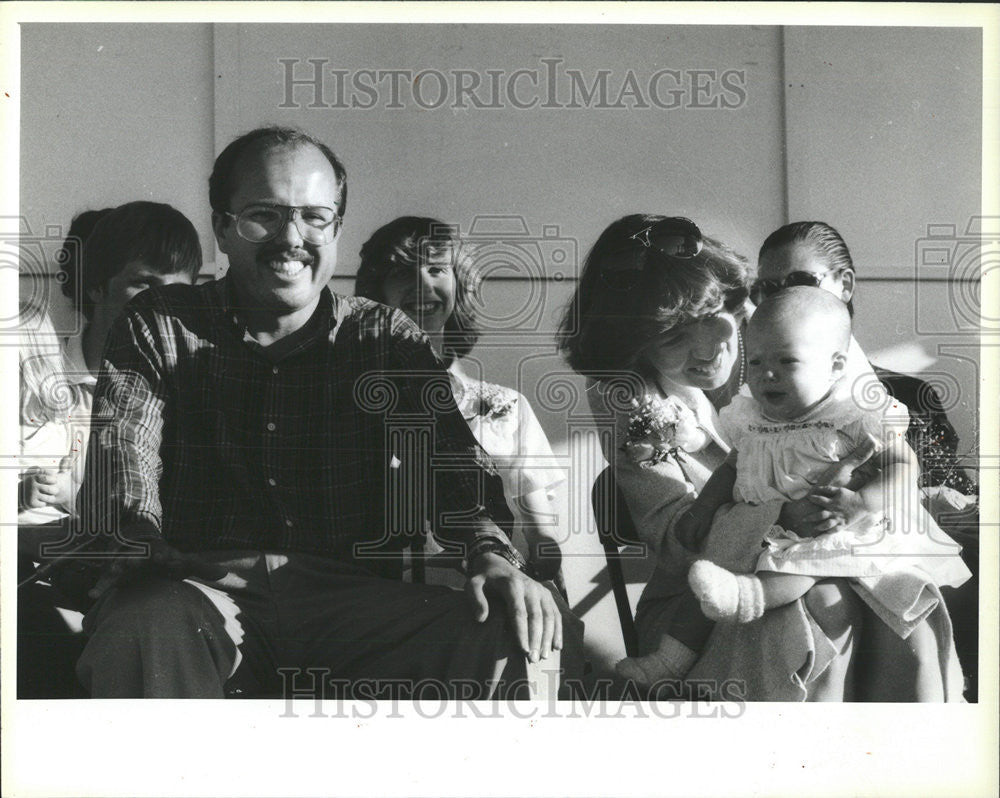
{"x": 326, "y": 317}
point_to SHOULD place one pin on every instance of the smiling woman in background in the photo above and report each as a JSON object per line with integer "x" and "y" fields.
{"x": 418, "y": 265}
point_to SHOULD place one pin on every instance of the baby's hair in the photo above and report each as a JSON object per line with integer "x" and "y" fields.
{"x": 406, "y": 242}
{"x": 810, "y": 307}
{"x": 46, "y": 394}
{"x": 822, "y": 238}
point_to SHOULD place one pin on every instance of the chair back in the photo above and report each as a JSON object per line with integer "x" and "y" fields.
{"x": 614, "y": 524}
{"x": 615, "y": 529}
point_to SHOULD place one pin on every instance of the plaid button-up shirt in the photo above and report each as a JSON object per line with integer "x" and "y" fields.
{"x": 337, "y": 440}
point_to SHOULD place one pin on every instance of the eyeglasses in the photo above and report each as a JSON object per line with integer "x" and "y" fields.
{"x": 675, "y": 237}
{"x": 259, "y": 223}
{"x": 761, "y": 289}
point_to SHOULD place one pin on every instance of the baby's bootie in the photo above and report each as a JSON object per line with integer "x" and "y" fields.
{"x": 725, "y": 596}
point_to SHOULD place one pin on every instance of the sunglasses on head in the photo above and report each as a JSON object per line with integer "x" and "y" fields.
{"x": 761, "y": 289}
{"x": 675, "y": 237}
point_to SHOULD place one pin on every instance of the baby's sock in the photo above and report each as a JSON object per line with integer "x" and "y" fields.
{"x": 671, "y": 660}
{"x": 725, "y": 596}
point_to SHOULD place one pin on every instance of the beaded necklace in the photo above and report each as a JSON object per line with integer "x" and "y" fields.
{"x": 742, "y": 356}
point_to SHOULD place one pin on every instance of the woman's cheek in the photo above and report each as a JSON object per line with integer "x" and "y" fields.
{"x": 724, "y": 327}
{"x": 669, "y": 360}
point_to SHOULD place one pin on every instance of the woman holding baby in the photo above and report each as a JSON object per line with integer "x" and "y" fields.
{"x": 766, "y": 590}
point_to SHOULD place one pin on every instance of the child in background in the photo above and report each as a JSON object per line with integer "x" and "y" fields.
{"x": 54, "y": 422}
{"x": 800, "y": 421}
{"x": 50, "y": 377}
{"x": 130, "y": 248}
{"x": 109, "y": 256}
{"x": 54, "y": 416}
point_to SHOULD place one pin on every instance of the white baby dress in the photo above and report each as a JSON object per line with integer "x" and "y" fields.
{"x": 895, "y": 555}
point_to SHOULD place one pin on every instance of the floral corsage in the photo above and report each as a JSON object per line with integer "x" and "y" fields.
{"x": 487, "y": 399}
{"x": 658, "y": 428}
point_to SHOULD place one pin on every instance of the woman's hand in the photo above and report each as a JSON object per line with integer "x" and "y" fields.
{"x": 842, "y": 507}
{"x": 825, "y": 509}
{"x": 835, "y": 494}
{"x": 801, "y": 516}
{"x": 842, "y": 473}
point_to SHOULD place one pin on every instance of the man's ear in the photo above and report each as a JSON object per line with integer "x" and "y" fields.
{"x": 221, "y": 228}
{"x": 847, "y": 284}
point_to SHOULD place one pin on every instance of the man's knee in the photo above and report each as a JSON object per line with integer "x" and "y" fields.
{"x": 167, "y": 606}
{"x": 157, "y": 638}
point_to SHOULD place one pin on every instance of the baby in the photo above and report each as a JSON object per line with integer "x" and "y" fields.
{"x": 789, "y": 438}
{"x": 53, "y": 413}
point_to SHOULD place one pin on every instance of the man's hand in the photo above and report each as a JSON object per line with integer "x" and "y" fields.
{"x": 530, "y": 607}
{"x": 693, "y": 526}
{"x": 161, "y": 560}
{"x": 45, "y": 487}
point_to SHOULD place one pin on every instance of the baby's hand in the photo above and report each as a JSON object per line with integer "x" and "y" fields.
{"x": 45, "y": 487}
{"x": 841, "y": 507}
{"x": 693, "y": 525}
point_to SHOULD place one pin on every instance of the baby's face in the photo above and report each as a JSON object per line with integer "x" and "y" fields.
{"x": 790, "y": 367}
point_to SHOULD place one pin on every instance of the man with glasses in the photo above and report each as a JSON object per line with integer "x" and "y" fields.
{"x": 260, "y": 421}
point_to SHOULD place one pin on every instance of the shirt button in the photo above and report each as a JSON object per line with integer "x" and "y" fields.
{"x": 288, "y": 522}
{"x": 272, "y": 481}
{"x": 271, "y": 426}
{"x": 274, "y": 370}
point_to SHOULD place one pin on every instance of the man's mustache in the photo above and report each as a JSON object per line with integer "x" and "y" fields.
{"x": 268, "y": 255}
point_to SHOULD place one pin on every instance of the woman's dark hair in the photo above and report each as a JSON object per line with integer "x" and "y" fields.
{"x": 823, "y": 239}
{"x": 605, "y": 328}
{"x": 410, "y": 241}
{"x": 70, "y": 256}
{"x": 222, "y": 182}
{"x": 156, "y": 234}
